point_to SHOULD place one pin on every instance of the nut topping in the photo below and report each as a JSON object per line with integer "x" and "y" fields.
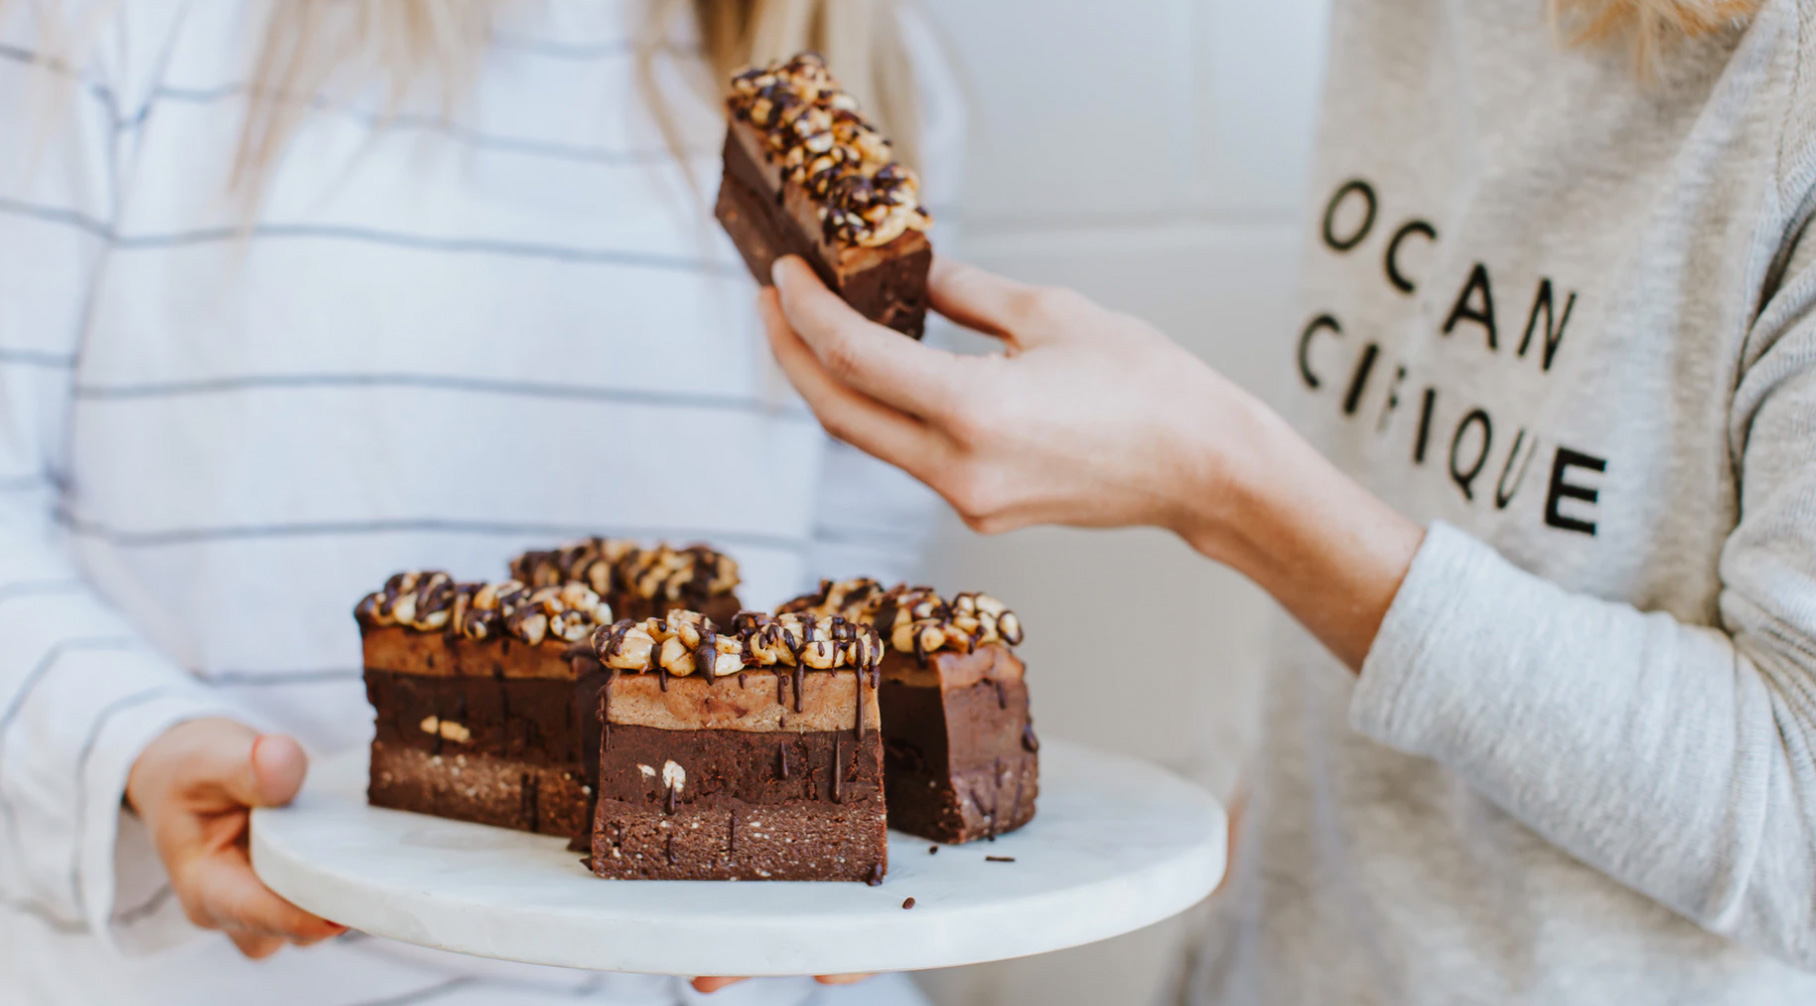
{"x": 684, "y": 640}
{"x": 612, "y": 566}
{"x": 865, "y": 196}
{"x": 915, "y": 619}
{"x": 432, "y": 601}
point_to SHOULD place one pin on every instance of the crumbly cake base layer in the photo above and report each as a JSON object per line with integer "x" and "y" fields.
{"x": 547, "y": 799}
{"x": 737, "y": 841}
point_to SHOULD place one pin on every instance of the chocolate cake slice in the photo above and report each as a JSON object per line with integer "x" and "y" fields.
{"x": 481, "y": 713}
{"x": 961, "y": 761}
{"x": 806, "y": 175}
{"x": 639, "y": 582}
{"x": 750, "y": 754}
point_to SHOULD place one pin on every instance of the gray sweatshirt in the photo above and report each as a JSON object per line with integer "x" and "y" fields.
{"x": 1567, "y": 319}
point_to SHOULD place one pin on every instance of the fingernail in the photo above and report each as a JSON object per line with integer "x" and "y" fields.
{"x": 775, "y": 272}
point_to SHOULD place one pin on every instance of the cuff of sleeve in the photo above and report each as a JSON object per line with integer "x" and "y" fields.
{"x": 1404, "y": 678}
{"x": 125, "y": 731}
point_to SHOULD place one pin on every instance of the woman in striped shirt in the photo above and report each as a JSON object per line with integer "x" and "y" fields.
{"x": 294, "y": 295}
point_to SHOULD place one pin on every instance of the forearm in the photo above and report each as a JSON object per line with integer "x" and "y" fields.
{"x": 1675, "y": 758}
{"x": 1329, "y": 551}
{"x": 80, "y": 696}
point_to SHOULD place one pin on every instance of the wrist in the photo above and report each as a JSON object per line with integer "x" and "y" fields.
{"x": 1237, "y": 483}
{"x": 1329, "y": 551}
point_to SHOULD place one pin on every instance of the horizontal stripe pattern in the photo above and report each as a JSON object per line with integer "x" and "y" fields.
{"x": 441, "y": 340}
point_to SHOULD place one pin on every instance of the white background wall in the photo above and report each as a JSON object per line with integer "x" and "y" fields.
{"x": 1150, "y": 153}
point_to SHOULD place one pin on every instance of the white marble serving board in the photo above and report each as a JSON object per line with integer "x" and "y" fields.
{"x": 1117, "y": 844}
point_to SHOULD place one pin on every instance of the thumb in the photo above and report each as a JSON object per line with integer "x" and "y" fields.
{"x": 269, "y": 773}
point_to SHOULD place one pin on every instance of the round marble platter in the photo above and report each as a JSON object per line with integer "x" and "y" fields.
{"x": 1116, "y": 844}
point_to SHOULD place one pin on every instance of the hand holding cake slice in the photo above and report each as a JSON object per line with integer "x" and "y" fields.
{"x": 807, "y": 175}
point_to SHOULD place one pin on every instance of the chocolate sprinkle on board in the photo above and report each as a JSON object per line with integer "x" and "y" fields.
{"x": 931, "y": 849}
{"x": 999, "y": 859}
{"x": 908, "y": 903}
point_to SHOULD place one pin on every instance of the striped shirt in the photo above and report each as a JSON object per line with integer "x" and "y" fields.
{"x": 441, "y": 340}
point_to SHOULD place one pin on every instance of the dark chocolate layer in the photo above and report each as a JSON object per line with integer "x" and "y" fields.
{"x": 732, "y": 804}
{"x": 769, "y": 768}
{"x": 960, "y": 758}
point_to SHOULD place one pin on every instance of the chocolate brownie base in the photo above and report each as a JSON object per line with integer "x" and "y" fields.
{"x": 768, "y": 218}
{"x": 508, "y": 793}
{"x": 960, "y": 758}
{"x": 735, "y": 841}
{"x": 528, "y": 738}
{"x": 740, "y": 805}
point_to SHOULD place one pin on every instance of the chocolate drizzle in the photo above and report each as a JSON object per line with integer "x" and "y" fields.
{"x": 1030, "y": 743}
{"x": 864, "y": 195}
{"x": 432, "y": 601}
{"x": 838, "y": 770}
{"x": 620, "y": 568}
{"x": 706, "y": 655}
{"x": 782, "y": 759}
{"x": 605, "y": 710}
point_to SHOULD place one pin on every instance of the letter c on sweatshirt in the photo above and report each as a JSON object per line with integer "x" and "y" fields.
{"x": 1305, "y": 347}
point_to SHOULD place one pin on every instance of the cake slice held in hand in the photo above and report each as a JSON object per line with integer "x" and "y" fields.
{"x": 807, "y": 175}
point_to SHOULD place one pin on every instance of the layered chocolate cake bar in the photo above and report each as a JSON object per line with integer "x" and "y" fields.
{"x": 806, "y": 175}
{"x": 746, "y": 754}
{"x": 960, "y": 755}
{"x": 481, "y": 713}
{"x": 638, "y": 582}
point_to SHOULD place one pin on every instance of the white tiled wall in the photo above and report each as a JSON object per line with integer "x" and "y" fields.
{"x": 1150, "y": 153}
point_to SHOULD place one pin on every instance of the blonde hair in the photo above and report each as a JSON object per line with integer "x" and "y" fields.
{"x": 1647, "y": 26}
{"x": 439, "y": 44}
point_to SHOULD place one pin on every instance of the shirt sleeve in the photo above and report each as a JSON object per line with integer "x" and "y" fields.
{"x": 1678, "y": 759}
{"x": 81, "y": 693}
{"x": 874, "y": 520}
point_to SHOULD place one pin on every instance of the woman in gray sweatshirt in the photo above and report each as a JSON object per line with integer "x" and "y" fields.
{"x": 1542, "y": 728}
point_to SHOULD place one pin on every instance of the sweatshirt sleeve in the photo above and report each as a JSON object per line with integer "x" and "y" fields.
{"x": 1679, "y": 759}
{"x": 81, "y": 693}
